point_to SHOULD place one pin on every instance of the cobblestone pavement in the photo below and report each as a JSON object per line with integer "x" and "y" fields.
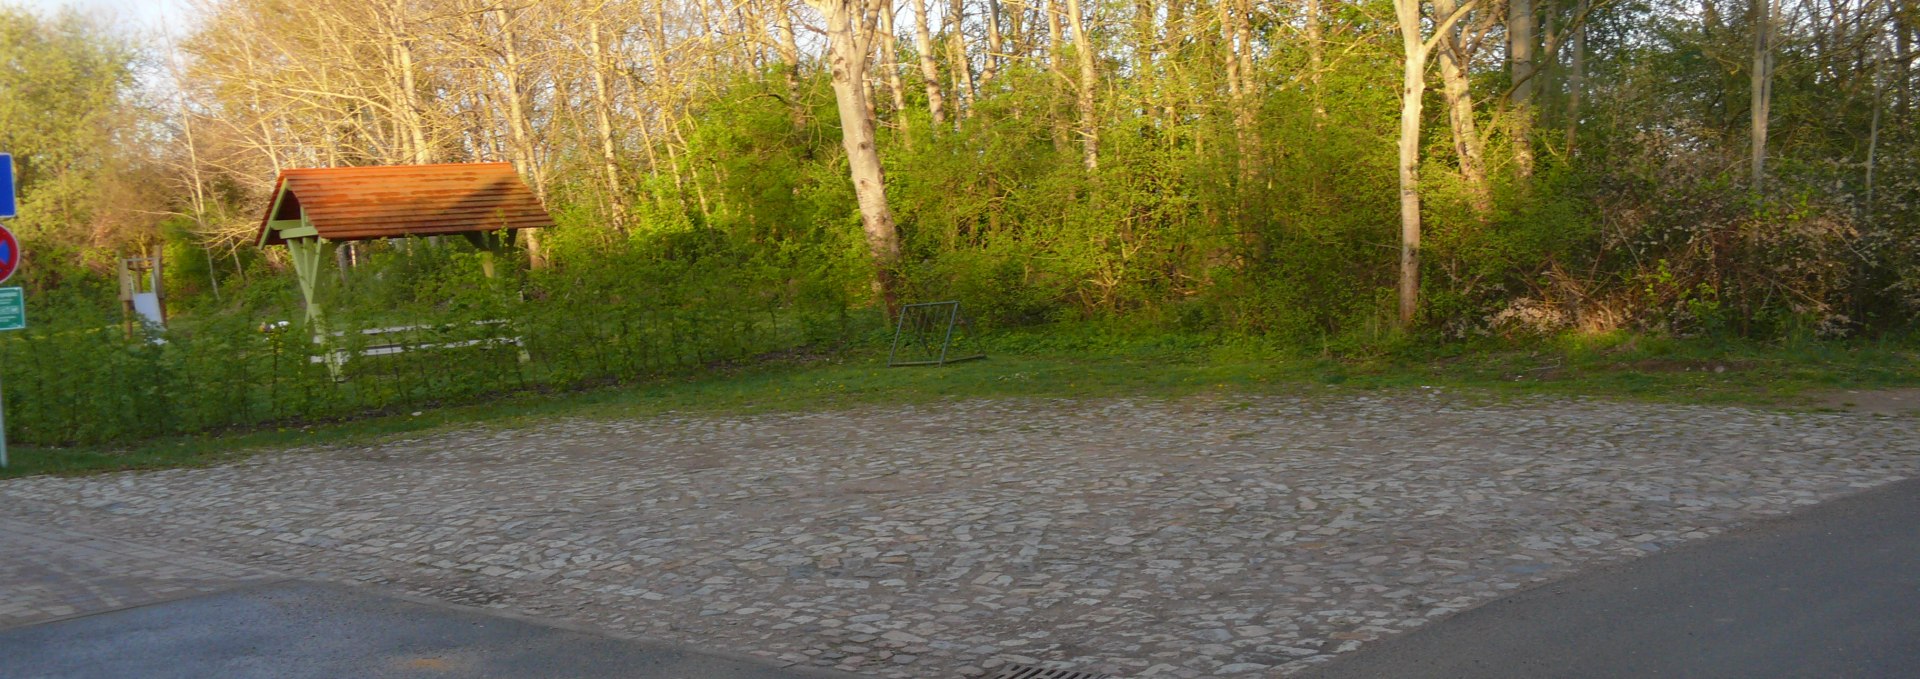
{"x": 1208, "y": 536}
{"x": 47, "y": 573}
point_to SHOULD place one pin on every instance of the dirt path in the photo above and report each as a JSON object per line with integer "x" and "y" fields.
{"x": 1897, "y": 402}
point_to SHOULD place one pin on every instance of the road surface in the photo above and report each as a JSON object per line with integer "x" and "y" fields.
{"x": 1833, "y": 591}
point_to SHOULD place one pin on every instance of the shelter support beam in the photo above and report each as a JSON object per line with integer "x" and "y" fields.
{"x": 308, "y": 253}
{"x": 492, "y": 245}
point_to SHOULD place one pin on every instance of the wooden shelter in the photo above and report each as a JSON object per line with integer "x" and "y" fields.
{"x": 312, "y": 209}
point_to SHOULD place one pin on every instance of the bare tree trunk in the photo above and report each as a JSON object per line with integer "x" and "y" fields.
{"x": 1083, "y": 51}
{"x": 1016, "y": 29}
{"x": 1055, "y": 34}
{"x": 1316, "y": 57}
{"x": 603, "y": 119}
{"x": 1459, "y": 95}
{"x": 1243, "y": 52}
{"x": 1174, "y": 34}
{"x": 1576, "y": 76}
{"x": 663, "y": 107}
{"x": 482, "y": 115}
{"x": 1903, "y": 57}
{"x": 846, "y": 54}
{"x": 890, "y": 62}
{"x": 1873, "y": 136}
{"x": 963, "y": 93}
{"x": 643, "y": 124}
{"x": 1761, "y": 77}
{"x": 513, "y": 92}
{"x": 990, "y": 67}
{"x": 923, "y": 43}
{"x": 1017, "y": 37}
{"x": 1232, "y": 29}
{"x": 866, "y": 87}
{"x": 1145, "y": 44}
{"x": 789, "y": 49}
{"x": 1413, "y": 89}
{"x": 1231, "y": 61}
{"x": 519, "y": 128}
{"x": 1054, "y": 40}
{"x": 1520, "y": 48}
{"x": 266, "y": 134}
{"x": 412, "y": 119}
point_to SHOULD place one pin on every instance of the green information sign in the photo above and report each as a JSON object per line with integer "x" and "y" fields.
{"x": 13, "y": 309}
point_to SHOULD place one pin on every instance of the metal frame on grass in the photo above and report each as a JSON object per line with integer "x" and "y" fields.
{"x": 925, "y": 320}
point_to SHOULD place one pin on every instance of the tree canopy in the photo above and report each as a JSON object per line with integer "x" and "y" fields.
{"x": 1276, "y": 167}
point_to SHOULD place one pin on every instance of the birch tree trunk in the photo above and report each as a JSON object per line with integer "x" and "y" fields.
{"x": 1083, "y": 52}
{"x": 1761, "y": 77}
{"x": 1413, "y": 87}
{"x": 929, "y": 71}
{"x": 846, "y": 55}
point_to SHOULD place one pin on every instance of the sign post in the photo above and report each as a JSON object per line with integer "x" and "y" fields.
{"x": 13, "y": 316}
{"x": 13, "y": 301}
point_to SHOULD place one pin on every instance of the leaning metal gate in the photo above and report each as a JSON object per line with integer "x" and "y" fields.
{"x": 931, "y": 333}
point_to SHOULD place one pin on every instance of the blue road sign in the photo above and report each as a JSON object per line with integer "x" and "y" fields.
{"x": 6, "y": 186}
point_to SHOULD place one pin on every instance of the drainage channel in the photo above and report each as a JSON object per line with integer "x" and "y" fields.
{"x": 1035, "y": 672}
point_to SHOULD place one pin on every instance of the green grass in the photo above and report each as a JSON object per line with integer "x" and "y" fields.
{"x": 1607, "y": 367}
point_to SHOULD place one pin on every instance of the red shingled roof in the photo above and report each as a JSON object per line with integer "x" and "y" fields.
{"x": 362, "y": 203}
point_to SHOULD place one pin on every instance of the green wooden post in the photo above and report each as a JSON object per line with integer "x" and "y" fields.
{"x": 306, "y": 264}
{"x": 309, "y": 252}
{"x": 306, "y": 246}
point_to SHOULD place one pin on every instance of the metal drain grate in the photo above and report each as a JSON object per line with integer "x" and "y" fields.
{"x": 1032, "y": 672}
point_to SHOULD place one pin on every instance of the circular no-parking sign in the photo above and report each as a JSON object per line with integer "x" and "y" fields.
{"x": 9, "y": 254}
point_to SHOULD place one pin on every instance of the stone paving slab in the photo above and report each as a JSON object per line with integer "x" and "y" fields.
{"x": 49, "y": 573}
{"x": 1211, "y": 536}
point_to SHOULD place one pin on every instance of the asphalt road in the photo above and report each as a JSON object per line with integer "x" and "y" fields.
{"x": 300, "y": 630}
{"x": 1829, "y": 592}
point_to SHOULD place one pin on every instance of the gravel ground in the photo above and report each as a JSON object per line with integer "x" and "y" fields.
{"x": 1207, "y": 536}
